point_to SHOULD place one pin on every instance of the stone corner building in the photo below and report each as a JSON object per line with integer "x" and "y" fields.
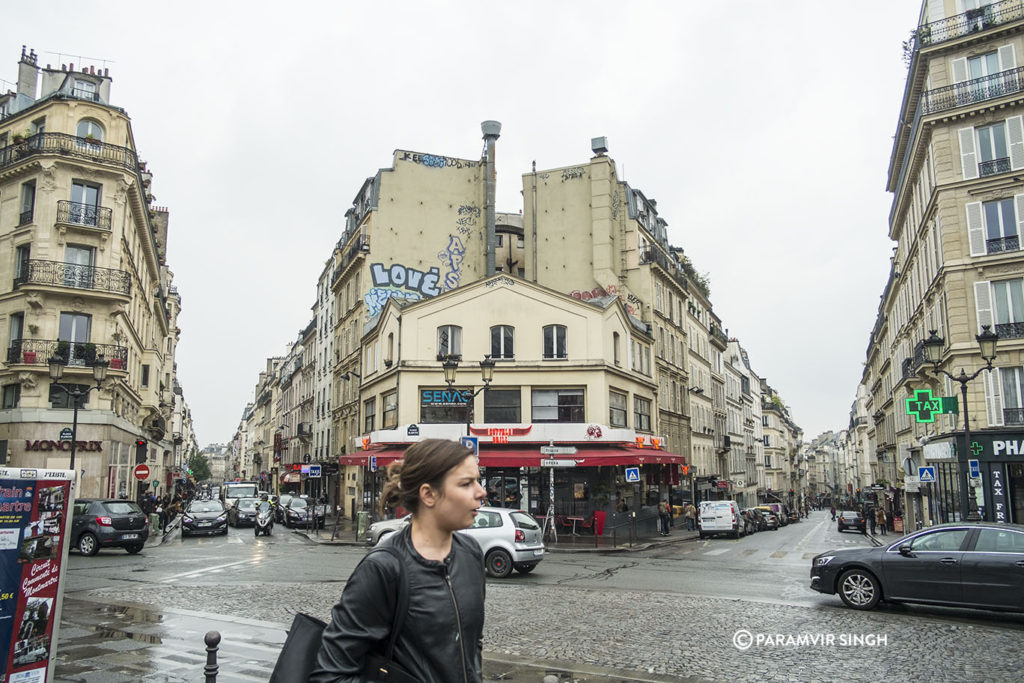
{"x": 83, "y": 274}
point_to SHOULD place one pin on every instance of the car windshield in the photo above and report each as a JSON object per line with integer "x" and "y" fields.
{"x": 247, "y": 503}
{"x": 297, "y": 503}
{"x": 121, "y": 507}
{"x": 205, "y": 506}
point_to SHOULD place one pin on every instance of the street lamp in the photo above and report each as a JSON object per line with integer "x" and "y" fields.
{"x": 451, "y": 366}
{"x": 99, "y": 373}
{"x": 933, "y": 354}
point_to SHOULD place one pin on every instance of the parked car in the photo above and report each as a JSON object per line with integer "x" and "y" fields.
{"x": 302, "y": 512}
{"x": 100, "y": 523}
{"x": 780, "y": 511}
{"x": 243, "y": 512}
{"x": 204, "y": 517}
{"x": 758, "y": 517}
{"x": 750, "y": 524}
{"x": 771, "y": 519}
{"x": 720, "y": 517}
{"x": 963, "y": 564}
{"x": 510, "y": 539}
{"x": 851, "y": 519}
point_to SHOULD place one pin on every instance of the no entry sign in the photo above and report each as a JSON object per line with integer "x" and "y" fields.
{"x": 141, "y": 472}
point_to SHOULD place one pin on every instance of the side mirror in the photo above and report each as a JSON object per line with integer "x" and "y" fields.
{"x": 906, "y": 550}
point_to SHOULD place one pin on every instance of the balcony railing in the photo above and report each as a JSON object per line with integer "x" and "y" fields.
{"x": 971, "y": 21}
{"x": 71, "y": 146}
{"x": 77, "y": 213}
{"x": 361, "y": 244}
{"x": 993, "y": 167}
{"x": 75, "y": 354}
{"x": 1010, "y": 330}
{"x": 1013, "y": 416}
{"x": 1001, "y": 244}
{"x": 25, "y": 217}
{"x": 973, "y": 91}
{"x": 36, "y": 272}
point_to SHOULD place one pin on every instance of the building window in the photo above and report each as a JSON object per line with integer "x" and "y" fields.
{"x": 500, "y": 240}
{"x": 449, "y": 340}
{"x": 502, "y": 337}
{"x": 1012, "y": 386}
{"x": 521, "y": 272}
{"x": 554, "y": 342}
{"x": 993, "y": 156}
{"x": 1009, "y": 302}
{"x": 519, "y": 241}
{"x": 442, "y": 406}
{"x": 21, "y": 256}
{"x": 503, "y": 406}
{"x": 390, "y": 410}
{"x": 12, "y": 396}
{"x": 145, "y": 375}
{"x": 616, "y": 354}
{"x": 369, "y": 415}
{"x": 85, "y": 90}
{"x": 17, "y": 328}
{"x": 641, "y": 414}
{"x": 75, "y": 330}
{"x": 28, "y": 202}
{"x": 85, "y": 204}
{"x": 60, "y": 398}
{"x": 558, "y": 405}
{"x": 79, "y": 271}
{"x": 617, "y": 409}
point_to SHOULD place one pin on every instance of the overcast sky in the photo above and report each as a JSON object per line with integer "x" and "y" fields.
{"x": 763, "y": 130}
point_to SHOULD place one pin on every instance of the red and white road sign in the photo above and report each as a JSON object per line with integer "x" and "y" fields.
{"x": 141, "y": 472}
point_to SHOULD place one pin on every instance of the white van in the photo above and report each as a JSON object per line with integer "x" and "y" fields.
{"x": 719, "y": 517}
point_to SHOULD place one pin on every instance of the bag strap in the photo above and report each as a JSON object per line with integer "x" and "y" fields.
{"x": 401, "y": 604}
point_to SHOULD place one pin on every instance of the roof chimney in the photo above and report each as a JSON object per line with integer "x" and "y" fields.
{"x": 28, "y": 74}
{"x": 491, "y": 131}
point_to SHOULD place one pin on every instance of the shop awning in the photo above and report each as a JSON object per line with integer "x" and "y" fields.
{"x": 597, "y": 456}
{"x": 291, "y": 478}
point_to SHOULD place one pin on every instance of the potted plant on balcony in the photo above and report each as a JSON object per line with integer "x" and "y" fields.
{"x": 28, "y": 357}
{"x": 63, "y": 350}
{"x": 86, "y": 352}
{"x": 117, "y": 364}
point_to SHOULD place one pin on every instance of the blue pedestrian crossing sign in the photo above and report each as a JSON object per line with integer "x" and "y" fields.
{"x": 633, "y": 474}
{"x": 926, "y": 474}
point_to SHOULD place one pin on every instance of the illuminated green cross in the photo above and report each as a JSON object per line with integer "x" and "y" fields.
{"x": 924, "y": 407}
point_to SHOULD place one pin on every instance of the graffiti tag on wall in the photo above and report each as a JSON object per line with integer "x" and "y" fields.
{"x": 468, "y": 218}
{"x": 610, "y": 290}
{"x": 572, "y": 173}
{"x": 401, "y": 282}
{"x": 435, "y": 161}
{"x": 452, "y": 257}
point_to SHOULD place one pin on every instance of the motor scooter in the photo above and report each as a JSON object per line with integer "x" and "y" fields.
{"x": 264, "y": 522}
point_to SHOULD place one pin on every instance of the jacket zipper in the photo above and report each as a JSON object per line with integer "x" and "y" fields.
{"x": 458, "y": 624}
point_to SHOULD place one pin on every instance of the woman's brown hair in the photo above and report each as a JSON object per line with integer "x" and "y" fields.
{"x": 425, "y": 462}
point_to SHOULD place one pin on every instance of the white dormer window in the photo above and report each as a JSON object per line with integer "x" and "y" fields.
{"x": 85, "y": 90}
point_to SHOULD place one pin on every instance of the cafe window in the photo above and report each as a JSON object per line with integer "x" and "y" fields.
{"x": 503, "y": 406}
{"x": 442, "y": 406}
{"x": 554, "y": 342}
{"x": 617, "y": 409}
{"x": 390, "y": 410}
{"x": 12, "y": 396}
{"x": 641, "y": 414}
{"x": 558, "y": 405}
{"x": 369, "y": 415}
{"x": 449, "y": 340}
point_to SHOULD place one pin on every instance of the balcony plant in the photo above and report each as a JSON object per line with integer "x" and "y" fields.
{"x": 28, "y": 357}
{"x": 117, "y": 364}
{"x": 63, "y": 350}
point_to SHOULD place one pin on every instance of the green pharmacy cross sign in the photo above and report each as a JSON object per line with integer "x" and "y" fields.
{"x": 925, "y": 407}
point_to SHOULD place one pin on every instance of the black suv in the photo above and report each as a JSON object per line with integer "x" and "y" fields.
{"x": 108, "y": 524}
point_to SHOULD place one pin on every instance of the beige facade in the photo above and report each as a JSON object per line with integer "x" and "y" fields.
{"x": 86, "y": 253}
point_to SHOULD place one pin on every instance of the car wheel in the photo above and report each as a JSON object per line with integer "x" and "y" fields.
{"x": 256, "y": 533}
{"x": 498, "y": 564}
{"x": 525, "y": 568}
{"x": 701, "y": 535}
{"x": 134, "y": 549}
{"x": 87, "y": 544}
{"x": 859, "y": 589}
{"x": 225, "y": 532}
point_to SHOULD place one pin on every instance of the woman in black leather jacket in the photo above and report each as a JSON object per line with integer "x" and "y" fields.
{"x": 441, "y": 639}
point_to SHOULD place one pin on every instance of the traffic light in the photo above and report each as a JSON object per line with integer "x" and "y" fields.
{"x": 140, "y": 450}
{"x": 791, "y": 492}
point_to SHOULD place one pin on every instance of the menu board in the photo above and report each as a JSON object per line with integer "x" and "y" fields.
{"x": 35, "y": 508}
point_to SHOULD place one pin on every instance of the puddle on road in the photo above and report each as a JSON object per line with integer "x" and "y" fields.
{"x": 134, "y": 613}
{"x": 118, "y": 633}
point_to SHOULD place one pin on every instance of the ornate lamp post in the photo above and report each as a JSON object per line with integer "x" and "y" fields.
{"x": 76, "y": 394}
{"x": 933, "y": 354}
{"x": 451, "y": 366}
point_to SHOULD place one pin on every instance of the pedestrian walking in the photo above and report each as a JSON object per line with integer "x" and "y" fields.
{"x": 691, "y": 517}
{"x": 441, "y": 638}
{"x": 833, "y": 513}
{"x": 881, "y": 520}
{"x": 664, "y": 517}
{"x": 872, "y": 520}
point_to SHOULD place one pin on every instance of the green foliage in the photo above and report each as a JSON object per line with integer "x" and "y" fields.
{"x": 199, "y": 466}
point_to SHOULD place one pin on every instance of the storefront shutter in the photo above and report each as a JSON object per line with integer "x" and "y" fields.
{"x": 975, "y": 229}
{"x": 968, "y": 153}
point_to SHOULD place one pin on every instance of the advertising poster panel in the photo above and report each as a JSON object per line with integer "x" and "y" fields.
{"x": 35, "y": 507}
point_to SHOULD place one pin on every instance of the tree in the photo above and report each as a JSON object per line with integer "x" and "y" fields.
{"x": 199, "y": 467}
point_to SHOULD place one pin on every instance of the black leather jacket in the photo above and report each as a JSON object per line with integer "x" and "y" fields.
{"x": 442, "y": 638}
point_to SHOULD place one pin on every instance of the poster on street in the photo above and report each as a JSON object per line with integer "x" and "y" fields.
{"x": 34, "y": 508}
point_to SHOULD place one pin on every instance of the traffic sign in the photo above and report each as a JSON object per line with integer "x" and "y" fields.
{"x": 632, "y": 475}
{"x": 558, "y": 450}
{"x": 65, "y": 434}
{"x": 314, "y": 471}
{"x": 373, "y": 463}
{"x": 558, "y": 463}
{"x": 926, "y": 474}
{"x": 141, "y": 472}
{"x": 472, "y": 443}
{"x": 975, "y": 467}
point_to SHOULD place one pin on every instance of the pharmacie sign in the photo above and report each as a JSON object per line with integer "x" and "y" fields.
{"x": 46, "y": 445}
{"x": 444, "y": 397}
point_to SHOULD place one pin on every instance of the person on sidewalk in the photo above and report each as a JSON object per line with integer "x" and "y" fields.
{"x": 691, "y": 517}
{"x": 872, "y": 520}
{"x": 664, "y": 517}
{"x": 880, "y": 518}
{"x": 833, "y": 513}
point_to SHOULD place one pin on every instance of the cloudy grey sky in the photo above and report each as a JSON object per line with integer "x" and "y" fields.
{"x": 763, "y": 129}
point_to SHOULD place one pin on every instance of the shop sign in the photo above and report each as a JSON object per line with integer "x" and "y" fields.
{"x": 45, "y": 445}
{"x": 998, "y": 495}
{"x": 441, "y": 398}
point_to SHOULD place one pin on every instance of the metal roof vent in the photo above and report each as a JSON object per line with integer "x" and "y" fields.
{"x": 599, "y": 145}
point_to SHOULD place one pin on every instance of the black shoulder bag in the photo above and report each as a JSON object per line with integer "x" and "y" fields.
{"x": 380, "y": 668}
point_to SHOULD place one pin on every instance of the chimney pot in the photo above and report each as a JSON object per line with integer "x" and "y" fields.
{"x": 71, "y": 66}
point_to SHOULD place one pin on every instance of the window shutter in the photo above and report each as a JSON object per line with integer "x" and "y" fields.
{"x": 968, "y": 155}
{"x": 934, "y": 11}
{"x": 959, "y": 68}
{"x": 1015, "y": 131}
{"x": 1007, "y": 58}
{"x": 975, "y": 229}
{"x": 1018, "y": 205}
{"x": 993, "y": 397}
{"x": 983, "y": 303}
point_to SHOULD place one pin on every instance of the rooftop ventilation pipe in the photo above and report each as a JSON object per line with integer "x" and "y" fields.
{"x": 492, "y": 131}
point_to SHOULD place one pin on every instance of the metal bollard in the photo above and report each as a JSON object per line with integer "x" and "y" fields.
{"x": 212, "y": 640}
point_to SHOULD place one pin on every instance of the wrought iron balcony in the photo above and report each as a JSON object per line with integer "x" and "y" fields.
{"x": 993, "y": 167}
{"x": 74, "y": 354}
{"x": 973, "y": 91}
{"x": 1013, "y": 416}
{"x": 77, "y": 213}
{"x": 1001, "y": 244}
{"x": 1010, "y": 330}
{"x": 361, "y": 244}
{"x": 25, "y": 217}
{"x": 71, "y": 146}
{"x": 36, "y": 272}
{"x": 971, "y": 21}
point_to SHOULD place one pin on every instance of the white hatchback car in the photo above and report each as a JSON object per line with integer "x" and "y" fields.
{"x": 510, "y": 539}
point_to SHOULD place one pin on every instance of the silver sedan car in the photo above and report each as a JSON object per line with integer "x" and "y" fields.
{"x": 510, "y": 539}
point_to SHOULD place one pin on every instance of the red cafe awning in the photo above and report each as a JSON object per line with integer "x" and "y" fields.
{"x": 596, "y": 456}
